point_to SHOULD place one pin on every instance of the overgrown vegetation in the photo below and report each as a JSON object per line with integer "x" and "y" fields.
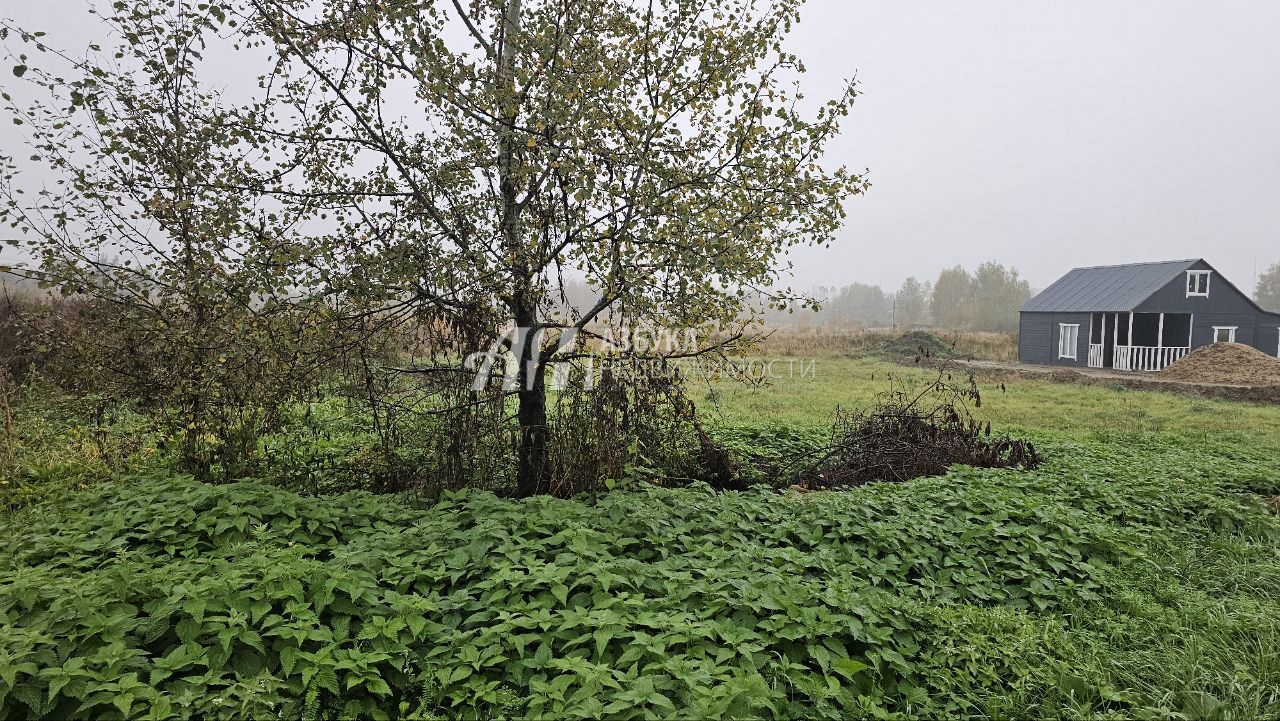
{"x": 911, "y": 432}
{"x": 433, "y": 171}
{"x": 282, "y": 432}
{"x": 979, "y": 592}
{"x": 1128, "y": 575}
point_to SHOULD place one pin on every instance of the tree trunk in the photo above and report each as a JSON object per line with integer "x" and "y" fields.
{"x": 531, "y": 413}
{"x": 532, "y": 465}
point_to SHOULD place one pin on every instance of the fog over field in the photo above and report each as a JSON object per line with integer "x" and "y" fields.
{"x": 1040, "y": 134}
{"x": 1047, "y": 135}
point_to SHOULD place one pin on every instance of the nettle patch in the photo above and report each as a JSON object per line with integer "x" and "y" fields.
{"x": 167, "y": 598}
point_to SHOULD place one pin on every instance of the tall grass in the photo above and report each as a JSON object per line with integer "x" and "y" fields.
{"x": 828, "y": 341}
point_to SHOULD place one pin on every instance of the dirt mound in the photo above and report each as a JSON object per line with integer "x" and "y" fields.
{"x": 1232, "y": 363}
{"x": 913, "y": 344}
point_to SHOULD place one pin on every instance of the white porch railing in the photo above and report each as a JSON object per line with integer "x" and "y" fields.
{"x": 1142, "y": 357}
{"x": 1095, "y": 355}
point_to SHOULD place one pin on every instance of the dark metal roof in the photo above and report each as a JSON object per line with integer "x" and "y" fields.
{"x": 1106, "y": 288}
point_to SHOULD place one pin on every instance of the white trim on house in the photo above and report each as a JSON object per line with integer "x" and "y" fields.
{"x": 1231, "y": 333}
{"x": 1065, "y": 350}
{"x": 1115, "y": 337}
{"x": 1193, "y": 283}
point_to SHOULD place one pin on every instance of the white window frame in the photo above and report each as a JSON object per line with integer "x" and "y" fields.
{"x": 1062, "y": 335}
{"x": 1231, "y": 333}
{"x": 1207, "y": 274}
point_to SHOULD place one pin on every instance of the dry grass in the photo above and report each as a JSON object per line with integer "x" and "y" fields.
{"x": 820, "y": 341}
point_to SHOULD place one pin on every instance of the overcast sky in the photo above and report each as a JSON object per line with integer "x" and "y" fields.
{"x": 1040, "y": 134}
{"x": 1053, "y": 134}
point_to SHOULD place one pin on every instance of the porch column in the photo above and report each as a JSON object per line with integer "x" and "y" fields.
{"x": 1160, "y": 344}
{"x": 1130, "y": 330}
{"x": 1115, "y": 338}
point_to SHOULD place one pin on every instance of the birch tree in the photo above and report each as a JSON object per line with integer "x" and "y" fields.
{"x": 475, "y": 153}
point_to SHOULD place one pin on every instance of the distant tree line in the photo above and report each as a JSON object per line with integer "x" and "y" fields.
{"x": 986, "y": 299}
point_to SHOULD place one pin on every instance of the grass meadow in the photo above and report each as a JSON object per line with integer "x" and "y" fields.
{"x": 805, "y": 392}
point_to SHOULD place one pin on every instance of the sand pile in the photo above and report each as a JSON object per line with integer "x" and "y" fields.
{"x": 1232, "y": 363}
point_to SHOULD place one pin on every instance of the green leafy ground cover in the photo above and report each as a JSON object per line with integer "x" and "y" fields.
{"x": 1136, "y": 574}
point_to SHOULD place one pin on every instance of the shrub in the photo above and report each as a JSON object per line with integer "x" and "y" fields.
{"x": 915, "y": 432}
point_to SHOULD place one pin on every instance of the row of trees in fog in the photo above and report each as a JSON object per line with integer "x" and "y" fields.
{"x": 988, "y": 298}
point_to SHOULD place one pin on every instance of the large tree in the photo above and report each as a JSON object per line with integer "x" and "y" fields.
{"x": 988, "y": 299}
{"x": 456, "y": 160}
{"x": 472, "y": 153}
{"x": 997, "y": 294}
{"x": 1267, "y": 291}
{"x": 856, "y": 304}
{"x": 913, "y": 302}
{"x": 951, "y": 301}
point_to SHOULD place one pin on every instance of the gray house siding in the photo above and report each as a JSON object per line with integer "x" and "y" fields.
{"x": 1269, "y": 332}
{"x": 1226, "y": 306}
{"x": 1035, "y": 337}
{"x": 1246, "y": 325}
{"x": 1224, "y": 298}
{"x": 1038, "y": 335}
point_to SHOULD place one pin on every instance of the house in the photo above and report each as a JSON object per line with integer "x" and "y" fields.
{"x": 1141, "y": 316}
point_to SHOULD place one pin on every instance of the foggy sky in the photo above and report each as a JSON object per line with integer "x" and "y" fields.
{"x": 1040, "y": 134}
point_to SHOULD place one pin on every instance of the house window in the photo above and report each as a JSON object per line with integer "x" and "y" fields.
{"x": 1068, "y": 335}
{"x": 1224, "y": 334}
{"x": 1198, "y": 283}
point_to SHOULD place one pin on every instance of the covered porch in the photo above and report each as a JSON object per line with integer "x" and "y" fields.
{"x": 1138, "y": 341}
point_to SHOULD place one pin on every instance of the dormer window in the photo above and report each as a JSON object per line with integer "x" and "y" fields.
{"x": 1198, "y": 283}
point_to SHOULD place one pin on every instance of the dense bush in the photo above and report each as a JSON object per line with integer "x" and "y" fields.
{"x": 913, "y": 432}
{"x": 164, "y": 597}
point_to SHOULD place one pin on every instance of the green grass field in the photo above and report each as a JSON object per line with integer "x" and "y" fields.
{"x": 1074, "y": 411}
{"x": 1135, "y": 575}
